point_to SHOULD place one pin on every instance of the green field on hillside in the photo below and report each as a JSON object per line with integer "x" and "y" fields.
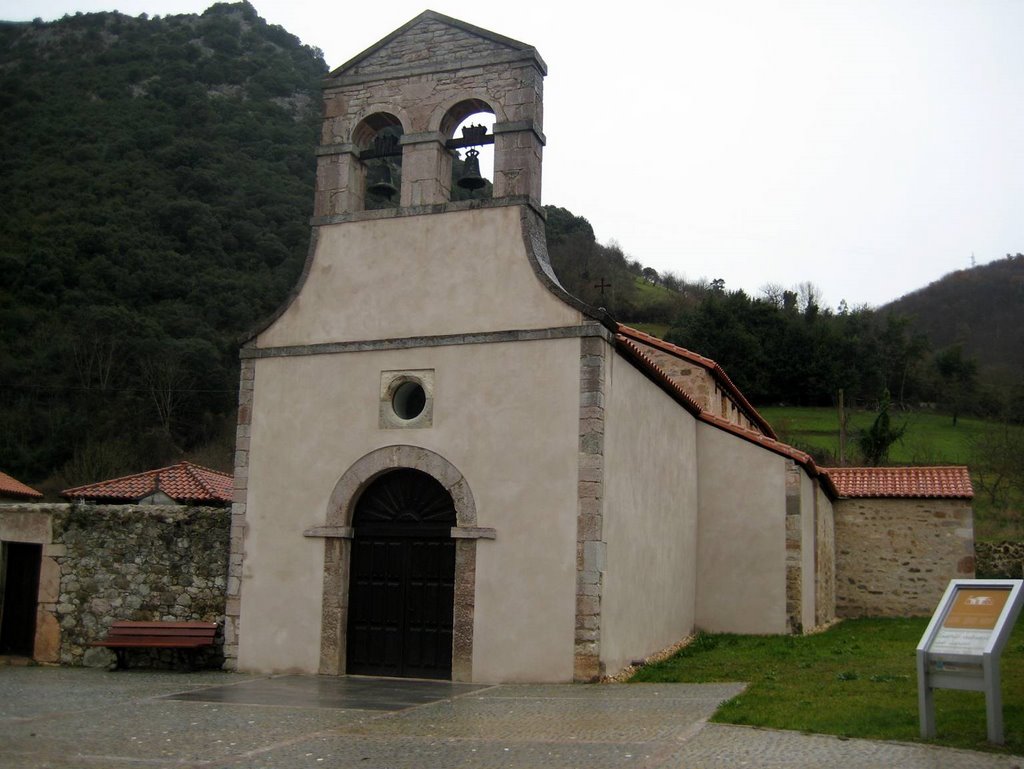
{"x": 930, "y": 439}
{"x": 654, "y": 329}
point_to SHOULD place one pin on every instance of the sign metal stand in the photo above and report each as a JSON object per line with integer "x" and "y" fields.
{"x": 962, "y": 646}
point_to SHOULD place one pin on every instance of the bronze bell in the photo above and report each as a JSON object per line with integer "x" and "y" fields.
{"x": 471, "y": 178}
{"x": 380, "y": 181}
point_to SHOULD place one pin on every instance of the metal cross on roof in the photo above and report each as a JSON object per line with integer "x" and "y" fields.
{"x": 603, "y": 285}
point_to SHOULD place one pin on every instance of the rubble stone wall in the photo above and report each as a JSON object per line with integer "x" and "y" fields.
{"x": 123, "y": 562}
{"x": 895, "y": 557}
{"x": 999, "y": 560}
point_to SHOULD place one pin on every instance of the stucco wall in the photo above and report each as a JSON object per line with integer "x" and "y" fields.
{"x": 895, "y": 557}
{"x": 650, "y": 518}
{"x": 451, "y": 273}
{"x": 741, "y": 534}
{"x": 506, "y": 415}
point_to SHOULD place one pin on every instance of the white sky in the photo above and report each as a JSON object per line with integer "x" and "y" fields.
{"x": 867, "y": 146}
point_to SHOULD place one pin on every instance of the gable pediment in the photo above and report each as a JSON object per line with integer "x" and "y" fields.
{"x": 432, "y": 42}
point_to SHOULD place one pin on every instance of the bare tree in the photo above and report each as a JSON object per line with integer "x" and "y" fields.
{"x": 169, "y": 384}
{"x": 997, "y": 458}
{"x": 95, "y": 460}
{"x": 773, "y": 293}
{"x": 808, "y": 296}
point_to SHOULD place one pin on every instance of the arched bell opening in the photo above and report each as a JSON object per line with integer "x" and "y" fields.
{"x": 469, "y": 126}
{"x": 377, "y": 138}
{"x": 402, "y": 578}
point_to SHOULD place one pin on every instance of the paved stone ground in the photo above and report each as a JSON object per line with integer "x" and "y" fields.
{"x": 73, "y": 718}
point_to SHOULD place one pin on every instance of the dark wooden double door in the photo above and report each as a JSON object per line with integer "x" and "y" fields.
{"x": 402, "y": 579}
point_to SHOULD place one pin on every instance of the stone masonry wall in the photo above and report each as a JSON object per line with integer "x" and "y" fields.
{"x": 699, "y": 384}
{"x": 824, "y": 560}
{"x": 137, "y": 563}
{"x": 233, "y": 594}
{"x": 422, "y": 43}
{"x": 124, "y": 562}
{"x": 590, "y": 544}
{"x": 895, "y": 557}
{"x": 696, "y": 381}
{"x": 426, "y": 79}
{"x": 794, "y": 550}
{"x": 999, "y": 560}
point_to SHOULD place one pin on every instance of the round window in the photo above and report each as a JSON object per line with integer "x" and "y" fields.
{"x": 409, "y": 400}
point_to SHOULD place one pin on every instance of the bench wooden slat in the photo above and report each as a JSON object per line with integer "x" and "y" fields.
{"x": 129, "y": 624}
{"x": 141, "y": 634}
{"x": 169, "y": 632}
{"x": 152, "y": 642}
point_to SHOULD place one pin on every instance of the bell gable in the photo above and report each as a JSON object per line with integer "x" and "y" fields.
{"x": 432, "y": 42}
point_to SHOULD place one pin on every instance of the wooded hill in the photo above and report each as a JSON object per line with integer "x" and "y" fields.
{"x": 158, "y": 181}
{"x": 981, "y": 308}
{"x": 956, "y": 345}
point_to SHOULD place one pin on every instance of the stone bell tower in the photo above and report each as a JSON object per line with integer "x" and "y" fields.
{"x": 419, "y": 83}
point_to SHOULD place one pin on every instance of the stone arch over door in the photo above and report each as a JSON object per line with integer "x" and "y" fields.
{"x": 337, "y": 551}
{"x": 401, "y": 582}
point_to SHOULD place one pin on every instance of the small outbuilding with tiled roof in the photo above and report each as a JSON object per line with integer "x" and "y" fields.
{"x": 13, "y": 490}
{"x": 183, "y": 483}
{"x": 902, "y": 533}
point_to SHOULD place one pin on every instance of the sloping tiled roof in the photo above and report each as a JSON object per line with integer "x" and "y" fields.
{"x": 907, "y": 482}
{"x": 183, "y": 482}
{"x": 10, "y": 487}
{"x": 929, "y": 482}
{"x": 635, "y": 353}
{"x": 717, "y": 372}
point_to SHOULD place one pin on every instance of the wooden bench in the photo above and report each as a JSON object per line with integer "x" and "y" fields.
{"x": 188, "y": 636}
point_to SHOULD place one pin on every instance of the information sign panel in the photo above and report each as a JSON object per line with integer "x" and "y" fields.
{"x": 963, "y": 643}
{"x": 970, "y": 621}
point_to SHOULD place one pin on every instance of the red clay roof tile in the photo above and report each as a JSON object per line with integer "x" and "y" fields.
{"x": 11, "y": 487}
{"x": 929, "y": 482}
{"x": 183, "y": 482}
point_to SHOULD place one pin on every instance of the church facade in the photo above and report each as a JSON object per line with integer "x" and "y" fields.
{"x": 449, "y": 467}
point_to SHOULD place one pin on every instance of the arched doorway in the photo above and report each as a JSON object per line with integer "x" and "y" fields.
{"x": 402, "y": 578}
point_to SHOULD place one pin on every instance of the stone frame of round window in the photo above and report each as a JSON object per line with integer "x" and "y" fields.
{"x": 407, "y": 398}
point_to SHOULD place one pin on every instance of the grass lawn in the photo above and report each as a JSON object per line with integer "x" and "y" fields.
{"x": 858, "y": 679}
{"x": 654, "y": 329}
{"x": 930, "y": 439}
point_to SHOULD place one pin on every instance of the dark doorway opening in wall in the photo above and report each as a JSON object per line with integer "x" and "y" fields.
{"x": 20, "y": 564}
{"x": 402, "y": 579}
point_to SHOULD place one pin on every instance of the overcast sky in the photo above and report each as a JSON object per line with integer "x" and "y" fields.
{"x": 867, "y": 146}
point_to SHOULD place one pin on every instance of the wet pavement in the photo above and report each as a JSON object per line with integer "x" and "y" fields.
{"x": 78, "y": 718}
